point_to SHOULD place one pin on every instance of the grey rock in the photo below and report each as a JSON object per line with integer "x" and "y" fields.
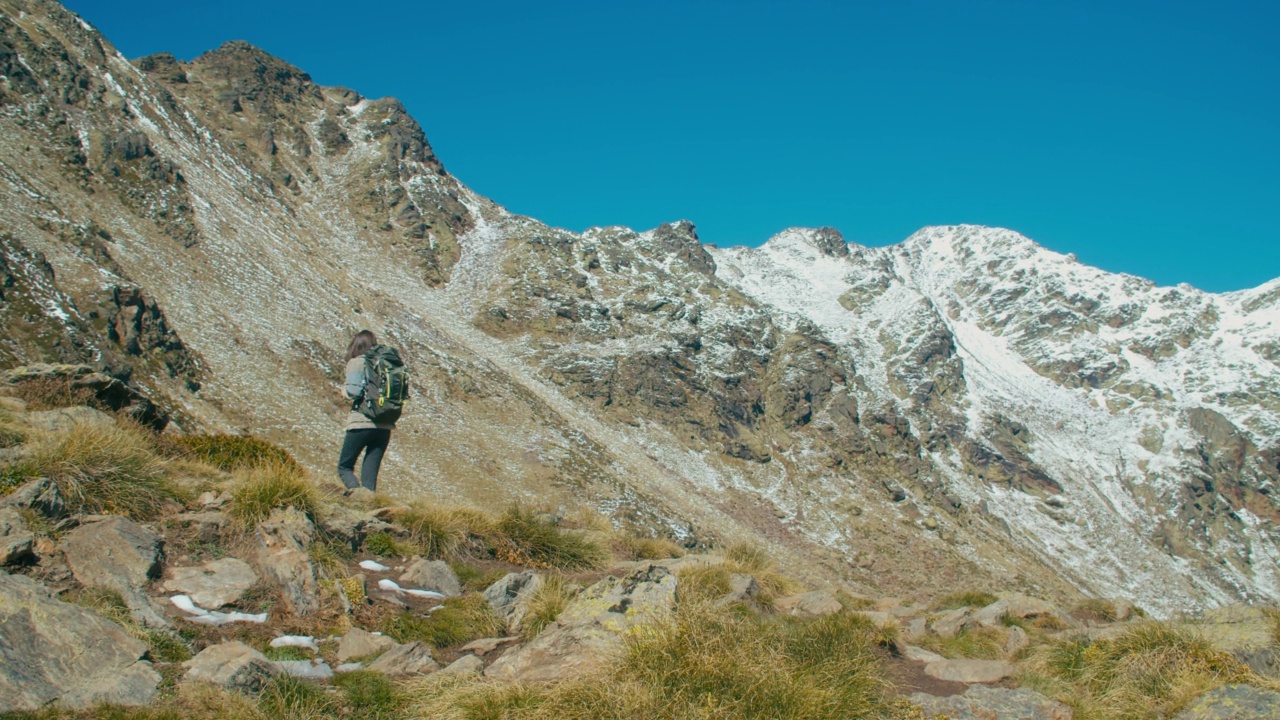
{"x": 41, "y": 495}
{"x": 431, "y": 575}
{"x": 509, "y": 597}
{"x": 915, "y": 628}
{"x": 1234, "y": 702}
{"x": 280, "y": 553}
{"x": 742, "y": 589}
{"x": 485, "y": 646}
{"x": 1243, "y": 631}
{"x": 52, "y": 651}
{"x": 347, "y": 524}
{"x": 119, "y": 554}
{"x": 981, "y": 702}
{"x": 1016, "y": 639}
{"x": 811, "y": 604}
{"x": 359, "y": 643}
{"x": 408, "y": 659}
{"x": 919, "y": 654}
{"x": 592, "y": 627}
{"x": 969, "y": 671}
{"x": 950, "y": 623}
{"x": 214, "y": 584}
{"x": 231, "y": 666}
{"x": 306, "y": 669}
{"x": 207, "y": 526}
{"x": 465, "y": 665}
{"x": 15, "y": 539}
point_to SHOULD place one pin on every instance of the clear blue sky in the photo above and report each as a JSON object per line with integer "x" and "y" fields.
{"x": 1143, "y": 136}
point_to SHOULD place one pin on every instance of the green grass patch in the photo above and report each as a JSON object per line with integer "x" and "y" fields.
{"x": 294, "y": 699}
{"x": 522, "y": 538}
{"x": 545, "y": 605}
{"x": 702, "y": 582}
{"x": 106, "y": 469}
{"x": 474, "y": 579}
{"x": 441, "y": 531}
{"x": 385, "y": 544}
{"x": 233, "y": 452}
{"x": 15, "y": 475}
{"x": 980, "y": 643}
{"x": 288, "y": 652}
{"x": 370, "y": 695}
{"x": 271, "y": 486}
{"x": 968, "y": 598}
{"x": 629, "y": 547}
{"x": 461, "y": 620}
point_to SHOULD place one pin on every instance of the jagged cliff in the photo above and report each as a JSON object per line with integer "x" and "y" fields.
{"x": 962, "y": 407}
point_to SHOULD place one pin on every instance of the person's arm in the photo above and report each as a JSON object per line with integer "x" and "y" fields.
{"x": 355, "y": 380}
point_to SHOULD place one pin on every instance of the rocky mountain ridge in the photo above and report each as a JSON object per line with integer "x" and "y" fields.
{"x": 963, "y": 405}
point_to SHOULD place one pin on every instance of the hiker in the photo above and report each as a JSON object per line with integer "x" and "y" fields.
{"x": 377, "y": 385}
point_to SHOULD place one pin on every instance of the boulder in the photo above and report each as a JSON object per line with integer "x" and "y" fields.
{"x": 408, "y": 659}
{"x": 1234, "y": 702}
{"x": 214, "y": 584}
{"x": 981, "y": 702}
{"x": 63, "y": 419}
{"x": 919, "y": 654}
{"x": 207, "y": 526}
{"x": 1015, "y": 639}
{"x": 1018, "y": 606}
{"x": 432, "y": 575}
{"x": 969, "y": 671}
{"x": 231, "y": 666}
{"x": 15, "y": 539}
{"x": 347, "y": 524}
{"x": 280, "y": 552}
{"x": 119, "y": 554}
{"x": 509, "y": 597}
{"x": 743, "y": 589}
{"x": 361, "y": 644}
{"x": 41, "y": 495}
{"x": 592, "y": 628}
{"x": 52, "y": 651}
{"x": 810, "y": 604}
{"x": 950, "y": 623}
{"x": 465, "y": 665}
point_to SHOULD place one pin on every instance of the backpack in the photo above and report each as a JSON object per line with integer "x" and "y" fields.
{"x": 386, "y": 385}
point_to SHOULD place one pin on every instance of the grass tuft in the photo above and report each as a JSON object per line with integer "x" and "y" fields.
{"x": 522, "y": 538}
{"x": 440, "y": 531}
{"x": 1096, "y": 610}
{"x": 370, "y": 695}
{"x": 461, "y": 620}
{"x": 233, "y": 452}
{"x": 702, "y": 583}
{"x": 629, "y": 547}
{"x": 384, "y": 544}
{"x": 289, "y": 697}
{"x": 106, "y": 469}
{"x": 980, "y": 643}
{"x": 51, "y": 393}
{"x": 747, "y": 559}
{"x": 968, "y": 598}
{"x": 545, "y": 605}
{"x": 269, "y": 486}
{"x": 1151, "y": 670}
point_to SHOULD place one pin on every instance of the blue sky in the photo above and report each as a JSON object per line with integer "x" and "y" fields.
{"x": 1142, "y": 136}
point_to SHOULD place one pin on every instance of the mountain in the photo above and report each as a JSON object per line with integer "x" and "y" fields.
{"x": 964, "y": 408}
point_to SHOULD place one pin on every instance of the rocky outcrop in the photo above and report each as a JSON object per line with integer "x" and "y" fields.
{"x": 591, "y": 628}
{"x": 280, "y": 553}
{"x": 981, "y": 702}
{"x": 53, "y": 652}
{"x": 509, "y": 597}
{"x": 119, "y": 554}
{"x": 214, "y": 584}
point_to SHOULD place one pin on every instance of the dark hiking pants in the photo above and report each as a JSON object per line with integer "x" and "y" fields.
{"x": 373, "y": 442}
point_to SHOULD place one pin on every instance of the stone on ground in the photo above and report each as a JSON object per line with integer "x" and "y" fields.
{"x": 969, "y": 671}
{"x": 64, "y": 419}
{"x": 484, "y": 646}
{"x": 431, "y": 575}
{"x": 409, "y": 659}
{"x": 231, "y": 666}
{"x": 41, "y": 495}
{"x": 465, "y": 665}
{"x": 358, "y": 643}
{"x": 1243, "y": 631}
{"x": 591, "y": 629}
{"x": 281, "y": 556}
{"x": 742, "y": 589}
{"x": 509, "y": 597}
{"x": 214, "y": 584}
{"x": 15, "y": 539}
{"x": 981, "y": 702}
{"x": 810, "y": 604}
{"x": 306, "y": 669}
{"x": 52, "y": 651}
{"x": 951, "y": 622}
{"x": 119, "y": 554}
{"x": 1234, "y": 702}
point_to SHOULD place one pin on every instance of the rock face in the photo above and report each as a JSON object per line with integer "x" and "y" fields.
{"x": 591, "y": 628}
{"x": 987, "y": 703}
{"x": 119, "y": 554}
{"x": 231, "y": 665}
{"x": 1234, "y": 702}
{"x": 281, "y": 555}
{"x": 51, "y": 651}
{"x": 214, "y": 584}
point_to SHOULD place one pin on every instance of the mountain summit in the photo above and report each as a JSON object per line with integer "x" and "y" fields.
{"x": 963, "y": 407}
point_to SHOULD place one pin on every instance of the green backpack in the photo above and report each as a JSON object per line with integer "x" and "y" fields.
{"x": 386, "y": 385}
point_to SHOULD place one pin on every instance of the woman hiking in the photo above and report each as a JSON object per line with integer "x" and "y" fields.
{"x": 377, "y": 385}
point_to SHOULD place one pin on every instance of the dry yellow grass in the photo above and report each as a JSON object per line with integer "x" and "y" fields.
{"x": 270, "y": 485}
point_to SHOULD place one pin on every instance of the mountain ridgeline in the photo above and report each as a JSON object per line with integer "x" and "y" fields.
{"x": 964, "y": 408}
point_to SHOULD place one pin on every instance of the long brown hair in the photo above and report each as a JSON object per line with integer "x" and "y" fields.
{"x": 360, "y": 344}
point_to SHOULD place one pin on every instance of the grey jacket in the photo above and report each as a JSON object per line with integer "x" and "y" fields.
{"x": 355, "y": 390}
